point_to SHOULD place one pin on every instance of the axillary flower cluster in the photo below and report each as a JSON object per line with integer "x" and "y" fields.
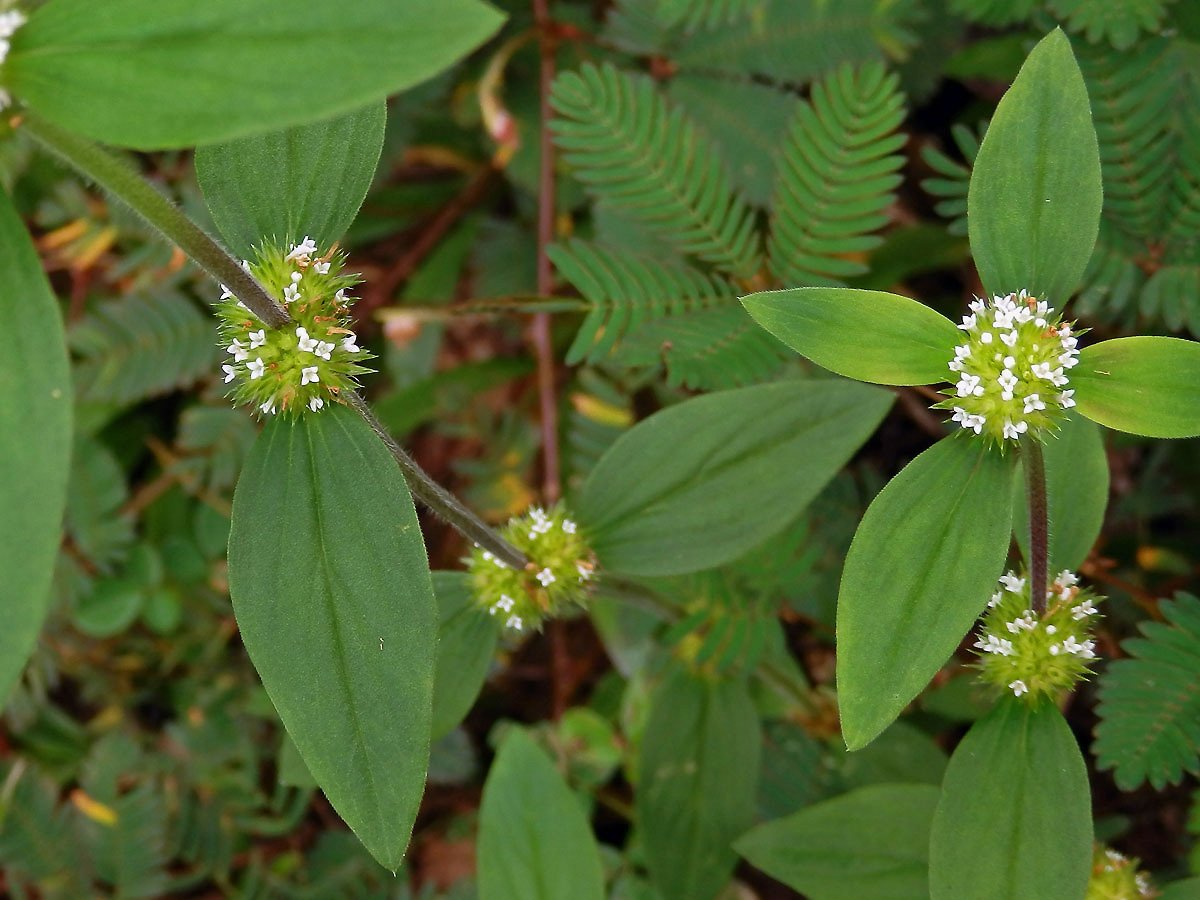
{"x": 1037, "y": 656}
{"x": 1116, "y": 877}
{"x": 1012, "y": 368}
{"x": 306, "y": 363}
{"x": 559, "y": 575}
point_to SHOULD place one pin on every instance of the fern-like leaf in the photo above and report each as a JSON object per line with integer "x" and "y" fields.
{"x": 634, "y": 151}
{"x": 1183, "y": 218}
{"x": 96, "y": 491}
{"x": 837, "y": 174}
{"x": 38, "y": 842}
{"x": 625, "y": 289}
{"x": 707, "y": 350}
{"x": 954, "y": 178}
{"x": 1117, "y": 21}
{"x": 692, "y": 15}
{"x": 215, "y": 440}
{"x": 1131, "y": 96}
{"x": 1150, "y": 704}
{"x": 141, "y": 346}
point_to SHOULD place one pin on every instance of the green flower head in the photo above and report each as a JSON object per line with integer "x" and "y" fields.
{"x": 1037, "y": 656}
{"x": 299, "y": 368}
{"x": 558, "y": 576}
{"x": 1116, "y": 877}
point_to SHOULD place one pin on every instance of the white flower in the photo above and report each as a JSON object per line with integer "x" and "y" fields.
{"x": 568, "y": 526}
{"x": 238, "y": 349}
{"x": 1055, "y": 649}
{"x": 1083, "y": 610}
{"x": 258, "y": 338}
{"x": 994, "y": 644}
{"x": 1018, "y": 688}
{"x": 968, "y": 322}
{"x": 1014, "y": 431}
{"x": 340, "y": 296}
{"x": 1051, "y": 629}
{"x": 304, "y": 248}
{"x": 513, "y": 622}
{"x": 315, "y": 403}
{"x": 968, "y": 385}
{"x": 291, "y": 294}
{"x": 986, "y": 337}
{"x": 1067, "y": 578}
{"x": 268, "y": 407}
{"x": 349, "y": 344}
{"x": 1070, "y": 645}
{"x": 967, "y": 420}
{"x": 226, "y": 293}
{"x": 1009, "y": 362}
{"x": 1010, "y": 339}
{"x": 505, "y": 603}
{"x": 307, "y": 344}
{"x": 1007, "y": 381}
{"x": 1012, "y": 583}
{"x": 323, "y": 349}
{"x": 297, "y": 277}
{"x": 996, "y": 597}
{"x": 1033, "y": 402}
{"x": 977, "y": 306}
{"x": 230, "y": 374}
{"x": 256, "y": 368}
{"x": 308, "y": 375}
{"x": 1067, "y": 398}
{"x": 1068, "y": 360}
{"x": 546, "y": 577}
{"x": 322, "y": 267}
{"x": 246, "y": 266}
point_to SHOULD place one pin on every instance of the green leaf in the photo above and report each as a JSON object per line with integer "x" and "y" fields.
{"x": 151, "y": 74}
{"x": 699, "y": 483}
{"x": 332, "y": 595}
{"x": 1150, "y": 702}
{"x": 1033, "y": 207}
{"x": 1185, "y": 889}
{"x": 308, "y": 180}
{"x": 872, "y": 842}
{"x": 869, "y": 335}
{"x": 1076, "y": 494}
{"x": 467, "y": 638}
{"x": 534, "y": 841}
{"x": 1143, "y": 385}
{"x": 1015, "y": 819}
{"x": 35, "y": 443}
{"x": 921, "y": 567}
{"x": 697, "y": 774}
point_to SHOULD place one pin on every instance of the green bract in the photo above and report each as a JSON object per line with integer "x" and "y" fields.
{"x": 558, "y": 576}
{"x": 304, "y": 365}
{"x": 1036, "y": 655}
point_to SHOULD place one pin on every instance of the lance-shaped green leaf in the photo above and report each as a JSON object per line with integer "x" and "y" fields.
{"x": 35, "y": 443}
{"x": 872, "y": 842}
{"x": 308, "y": 180}
{"x": 697, "y": 774}
{"x": 534, "y": 842}
{"x": 173, "y": 73}
{"x": 1014, "y": 821}
{"x": 331, "y": 590}
{"x": 467, "y": 638}
{"x": 1076, "y": 494}
{"x": 700, "y": 483}
{"x": 921, "y": 567}
{"x": 1033, "y": 205}
{"x": 1143, "y": 385}
{"x": 868, "y": 335}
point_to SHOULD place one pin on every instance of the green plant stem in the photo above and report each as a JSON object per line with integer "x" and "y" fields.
{"x": 116, "y": 176}
{"x": 1039, "y": 525}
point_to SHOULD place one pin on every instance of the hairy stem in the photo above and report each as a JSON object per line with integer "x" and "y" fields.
{"x": 1039, "y": 525}
{"x": 116, "y": 176}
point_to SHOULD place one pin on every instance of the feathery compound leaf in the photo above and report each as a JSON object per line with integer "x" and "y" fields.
{"x": 633, "y": 151}
{"x": 141, "y": 346}
{"x": 836, "y": 176}
{"x": 1150, "y": 704}
{"x": 994, "y": 12}
{"x": 708, "y": 349}
{"x": 955, "y": 178}
{"x": 692, "y": 15}
{"x": 1117, "y": 21}
{"x": 626, "y": 289}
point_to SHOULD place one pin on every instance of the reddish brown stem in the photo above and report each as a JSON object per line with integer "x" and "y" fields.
{"x": 540, "y": 330}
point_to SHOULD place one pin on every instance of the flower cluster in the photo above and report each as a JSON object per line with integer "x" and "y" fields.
{"x": 1012, "y": 368}
{"x": 1033, "y": 655}
{"x": 559, "y": 573}
{"x": 1116, "y": 877}
{"x": 306, "y": 363}
{"x": 9, "y": 23}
